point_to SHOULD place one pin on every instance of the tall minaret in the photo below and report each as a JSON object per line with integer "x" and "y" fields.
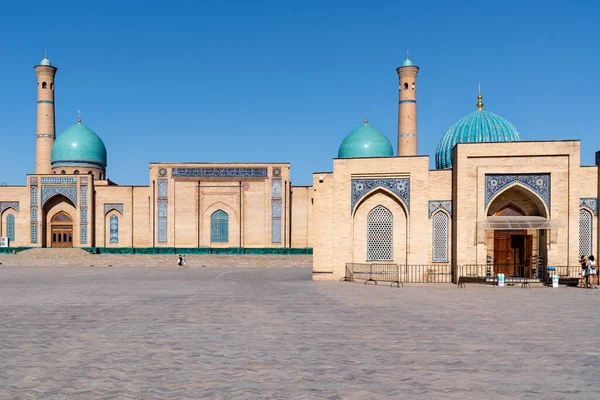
{"x": 45, "y": 116}
{"x": 407, "y": 108}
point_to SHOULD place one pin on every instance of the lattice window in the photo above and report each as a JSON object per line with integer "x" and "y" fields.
{"x": 276, "y": 222}
{"x": 34, "y": 214}
{"x": 34, "y": 195}
{"x": 84, "y": 215}
{"x": 379, "y": 234}
{"x": 114, "y": 229}
{"x": 10, "y": 227}
{"x": 276, "y": 189}
{"x": 585, "y": 232}
{"x": 84, "y": 190}
{"x": 219, "y": 227}
{"x": 162, "y": 189}
{"x": 34, "y": 233}
{"x": 162, "y": 221}
{"x": 83, "y": 234}
{"x": 439, "y": 244}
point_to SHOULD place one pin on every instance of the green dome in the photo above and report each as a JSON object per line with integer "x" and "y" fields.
{"x": 78, "y": 145}
{"x": 46, "y": 62}
{"x": 365, "y": 141}
{"x": 407, "y": 63}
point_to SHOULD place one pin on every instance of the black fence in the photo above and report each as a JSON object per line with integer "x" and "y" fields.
{"x": 398, "y": 274}
{"x": 460, "y": 274}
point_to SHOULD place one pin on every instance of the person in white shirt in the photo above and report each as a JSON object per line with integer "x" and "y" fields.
{"x": 592, "y": 271}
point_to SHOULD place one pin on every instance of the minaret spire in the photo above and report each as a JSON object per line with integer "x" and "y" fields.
{"x": 78, "y": 117}
{"x": 479, "y": 98}
{"x": 366, "y": 121}
{"x": 45, "y": 131}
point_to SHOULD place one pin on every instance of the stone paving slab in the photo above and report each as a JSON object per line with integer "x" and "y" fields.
{"x": 272, "y": 333}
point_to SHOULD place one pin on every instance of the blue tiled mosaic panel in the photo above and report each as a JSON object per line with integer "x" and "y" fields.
{"x": 34, "y": 215}
{"x": 34, "y": 195}
{"x": 219, "y": 227}
{"x": 113, "y": 206}
{"x": 435, "y": 205}
{"x": 220, "y": 172}
{"x": 10, "y": 227}
{"x": 8, "y": 204}
{"x": 84, "y": 190}
{"x": 84, "y": 234}
{"x": 162, "y": 189}
{"x": 162, "y": 231}
{"x": 276, "y": 230}
{"x": 276, "y": 209}
{"x": 84, "y": 215}
{"x": 69, "y": 192}
{"x": 114, "y": 229}
{"x": 398, "y": 186}
{"x": 589, "y": 202}
{"x": 59, "y": 181}
{"x": 162, "y": 209}
{"x": 539, "y": 183}
{"x": 276, "y": 189}
{"x": 34, "y": 233}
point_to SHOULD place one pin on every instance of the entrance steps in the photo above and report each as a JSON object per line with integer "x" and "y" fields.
{"x": 73, "y": 257}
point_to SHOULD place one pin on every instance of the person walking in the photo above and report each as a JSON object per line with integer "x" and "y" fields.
{"x": 180, "y": 260}
{"x": 592, "y": 271}
{"x": 183, "y": 260}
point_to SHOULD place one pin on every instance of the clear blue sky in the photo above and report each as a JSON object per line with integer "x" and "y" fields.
{"x": 261, "y": 81}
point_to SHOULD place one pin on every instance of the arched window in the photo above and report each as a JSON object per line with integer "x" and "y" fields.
{"x": 379, "y": 234}
{"x": 585, "y": 232}
{"x": 34, "y": 196}
{"x": 10, "y": 227}
{"x": 276, "y": 222}
{"x": 76, "y": 172}
{"x": 276, "y": 189}
{"x": 405, "y": 85}
{"x": 439, "y": 243}
{"x": 219, "y": 227}
{"x": 43, "y": 85}
{"x": 52, "y": 86}
{"x": 63, "y": 172}
{"x": 114, "y": 229}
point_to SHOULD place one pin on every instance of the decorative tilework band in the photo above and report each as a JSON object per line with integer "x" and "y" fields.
{"x": 538, "y": 183}
{"x": 46, "y": 135}
{"x": 220, "y": 172}
{"x": 69, "y": 192}
{"x": 435, "y": 205}
{"x": 407, "y": 101}
{"x": 113, "y": 206}
{"x": 45, "y": 101}
{"x": 407, "y": 134}
{"x": 591, "y": 203}
{"x": 398, "y": 186}
{"x": 8, "y": 204}
{"x": 58, "y": 180}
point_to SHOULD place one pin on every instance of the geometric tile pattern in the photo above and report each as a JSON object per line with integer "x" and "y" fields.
{"x": 113, "y": 206}
{"x": 539, "y": 183}
{"x": 8, "y": 204}
{"x": 435, "y": 205}
{"x": 585, "y": 232}
{"x": 69, "y": 192}
{"x": 276, "y": 211}
{"x": 439, "y": 225}
{"x": 59, "y": 181}
{"x": 220, "y": 172}
{"x": 163, "y": 193}
{"x": 589, "y": 202}
{"x": 398, "y": 186}
{"x": 10, "y": 227}
{"x": 34, "y": 233}
{"x": 114, "y": 229}
{"x": 34, "y": 195}
{"x": 379, "y": 234}
{"x": 84, "y": 190}
{"x": 219, "y": 227}
{"x": 84, "y": 231}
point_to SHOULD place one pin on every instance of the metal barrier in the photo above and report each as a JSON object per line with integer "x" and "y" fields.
{"x": 373, "y": 273}
{"x": 426, "y": 273}
{"x": 488, "y": 273}
{"x": 567, "y": 274}
{"x": 398, "y": 274}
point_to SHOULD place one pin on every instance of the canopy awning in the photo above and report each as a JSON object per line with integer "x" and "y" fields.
{"x": 501, "y": 222}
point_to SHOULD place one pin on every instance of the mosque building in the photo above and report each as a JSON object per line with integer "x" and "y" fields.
{"x": 492, "y": 196}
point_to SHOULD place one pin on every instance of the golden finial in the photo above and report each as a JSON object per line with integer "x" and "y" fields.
{"x": 78, "y": 117}
{"x": 479, "y": 98}
{"x": 366, "y": 120}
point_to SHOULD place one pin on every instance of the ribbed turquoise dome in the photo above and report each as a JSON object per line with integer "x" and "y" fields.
{"x": 78, "y": 145}
{"x": 365, "y": 141}
{"x": 478, "y": 127}
{"x": 407, "y": 63}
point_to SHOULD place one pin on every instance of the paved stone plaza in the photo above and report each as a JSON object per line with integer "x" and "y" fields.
{"x": 271, "y": 333}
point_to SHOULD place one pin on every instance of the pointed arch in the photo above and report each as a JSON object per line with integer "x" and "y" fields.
{"x": 380, "y": 234}
{"x": 586, "y": 230}
{"x": 219, "y": 227}
{"x": 516, "y": 189}
{"x": 10, "y": 226}
{"x": 440, "y": 227}
{"x": 380, "y": 190}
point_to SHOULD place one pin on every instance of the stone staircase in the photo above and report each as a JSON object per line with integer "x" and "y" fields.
{"x": 80, "y": 258}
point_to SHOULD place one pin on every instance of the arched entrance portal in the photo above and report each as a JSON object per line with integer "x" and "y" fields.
{"x": 61, "y": 228}
{"x": 517, "y": 242}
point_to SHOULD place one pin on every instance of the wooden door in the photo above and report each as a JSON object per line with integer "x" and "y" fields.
{"x": 62, "y": 236}
{"x": 509, "y": 252}
{"x": 528, "y": 252}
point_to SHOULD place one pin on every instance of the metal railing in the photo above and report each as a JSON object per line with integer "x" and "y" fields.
{"x": 398, "y": 274}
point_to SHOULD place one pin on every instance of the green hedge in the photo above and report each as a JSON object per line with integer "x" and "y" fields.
{"x": 196, "y": 250}
{"x": 10, "y": 250}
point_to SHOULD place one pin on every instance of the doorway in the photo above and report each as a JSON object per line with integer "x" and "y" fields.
{"x": 61, "y": 230}
{"x": 512, "y": 253}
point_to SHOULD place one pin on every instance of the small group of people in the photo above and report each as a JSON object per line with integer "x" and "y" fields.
{"x": 181, "y": 260}
{"x": 589, "y": 272}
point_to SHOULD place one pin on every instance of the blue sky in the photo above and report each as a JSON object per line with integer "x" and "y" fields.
{"x": 263, "y": 81}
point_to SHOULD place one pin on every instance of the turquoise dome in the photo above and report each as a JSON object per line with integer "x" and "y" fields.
{"x": 78, "y": 145}
{"x": 407, "y": 63}
{"x": 365, "y": 141}
{"x": 45, "y": 61}
{"x": 478, "y": 127}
